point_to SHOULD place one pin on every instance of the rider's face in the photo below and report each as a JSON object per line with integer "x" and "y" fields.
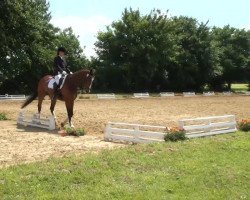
{"x": 61, "y": 53}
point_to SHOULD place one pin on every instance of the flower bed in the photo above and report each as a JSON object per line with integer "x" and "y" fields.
{"x": 244, "y": 125}
{"x": 68, "y": 131}
{"x": 175, "y": 134}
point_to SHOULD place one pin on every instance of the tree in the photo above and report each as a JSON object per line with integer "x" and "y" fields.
{"x": 28, "y": 42}
{"x": 152, "y": 51}
{"x": 136, "y": 49}
{"x": 233, "y": 48}
{"x": 193, "y": 65}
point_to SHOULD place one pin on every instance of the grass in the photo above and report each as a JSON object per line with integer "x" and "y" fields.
{"x": 204, "y": 168}
{"x": 239, "y": 87}
{"x": 3, "y": 117}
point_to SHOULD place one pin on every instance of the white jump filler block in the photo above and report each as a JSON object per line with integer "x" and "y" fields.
{"x": 35, "y": 121}
{"x": 106, "y": 96}
{"x": 12, "y": 97}
{"x": 247, "y": 93}
{"x": 205, "y": 126}
{"x": 141, "y": 95}
{"x": 188, "y": 94}
{"x": 167, "y": 94}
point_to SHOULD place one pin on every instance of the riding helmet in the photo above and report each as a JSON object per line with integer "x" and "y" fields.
{"x": 62, "y": 49}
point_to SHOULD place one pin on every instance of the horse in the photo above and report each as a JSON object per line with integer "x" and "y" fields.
{"x": 68, "y": 93}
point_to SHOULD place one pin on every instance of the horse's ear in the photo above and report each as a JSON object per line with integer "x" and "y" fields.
{"x": 92, "y": 72}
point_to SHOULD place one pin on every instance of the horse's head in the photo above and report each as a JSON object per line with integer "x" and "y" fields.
{"x": 88, "y": 81}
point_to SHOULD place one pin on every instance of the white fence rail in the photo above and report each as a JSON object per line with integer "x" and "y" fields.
{"x": 188, "y": 94}
{"x": 106, "y": 96}
{"x": 227, "y": 93}
{"x": 211, "y": 93}
{"x": 136, "y": 133}
{"x": 167, "y": 94}
{"x": 197, "y": 127}
{"x": 12, "y": 97}
{"x": 205, "y": 126}
{"x": 36, "y": 121}
{"x": 141, "y": 95}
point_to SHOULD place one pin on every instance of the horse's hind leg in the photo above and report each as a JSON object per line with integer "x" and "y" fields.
{"x": 52, "y": 107}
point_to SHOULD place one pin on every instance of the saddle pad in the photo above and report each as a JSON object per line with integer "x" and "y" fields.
{"x": 56, "y": 79}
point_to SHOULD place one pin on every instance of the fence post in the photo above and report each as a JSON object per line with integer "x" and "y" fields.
{"x": 52, "y": 124}
{"x": 107, "y": 130}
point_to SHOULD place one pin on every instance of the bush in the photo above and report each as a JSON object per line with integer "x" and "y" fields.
{"x": 175, "y": 134}
{"x": 244, "y": 125}
{"x": 3, "y": 117}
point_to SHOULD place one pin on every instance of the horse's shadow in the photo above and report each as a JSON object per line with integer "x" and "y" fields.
{"x": 31, "y": 129}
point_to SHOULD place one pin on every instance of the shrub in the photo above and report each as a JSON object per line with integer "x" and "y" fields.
{"x": 244, "y": 125}
{"x": 75, "y": 132}
{"x": 3, "y": 117}
{"x": 175, "y": 134}
{"x": 80, "y": 132}
{"x": 69, "y": 130}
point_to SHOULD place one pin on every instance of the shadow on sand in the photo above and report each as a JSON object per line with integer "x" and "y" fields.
{"x": 22, "y": 128}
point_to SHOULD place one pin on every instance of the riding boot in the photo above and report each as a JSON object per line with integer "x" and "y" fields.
{"x": 56, "y": 93}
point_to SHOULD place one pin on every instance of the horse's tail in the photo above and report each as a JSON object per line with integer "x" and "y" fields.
{"x": 30, "y": 99}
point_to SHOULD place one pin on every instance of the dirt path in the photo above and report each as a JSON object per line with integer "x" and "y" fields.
{"x": 19, "y": 145}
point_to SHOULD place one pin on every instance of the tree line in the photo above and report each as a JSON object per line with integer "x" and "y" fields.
{"x": 152, "y": 52}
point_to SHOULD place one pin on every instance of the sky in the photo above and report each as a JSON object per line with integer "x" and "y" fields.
{"x": 87, "y": 17}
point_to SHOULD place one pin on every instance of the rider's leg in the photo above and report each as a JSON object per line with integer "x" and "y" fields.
{"x": 55, "y": 91}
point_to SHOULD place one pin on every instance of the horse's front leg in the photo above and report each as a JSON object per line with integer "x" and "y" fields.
{"x": 70, "y": 107}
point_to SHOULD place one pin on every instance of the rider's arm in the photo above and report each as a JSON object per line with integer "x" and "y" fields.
{"x": 57, "y": 64}
{"x": 68, "y": 70}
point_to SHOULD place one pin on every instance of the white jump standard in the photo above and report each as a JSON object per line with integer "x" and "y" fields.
{"x": 36, "y": 121}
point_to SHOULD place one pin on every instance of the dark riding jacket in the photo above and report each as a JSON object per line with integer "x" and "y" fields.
{"x": 60, "y": 65}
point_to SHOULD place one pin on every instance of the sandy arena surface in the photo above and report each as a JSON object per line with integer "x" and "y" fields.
{"x": 23, "y": 145}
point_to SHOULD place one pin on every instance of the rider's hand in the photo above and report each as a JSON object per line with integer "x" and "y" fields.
{"x": 64, "y": 73}
{"x": 71, "y": 72}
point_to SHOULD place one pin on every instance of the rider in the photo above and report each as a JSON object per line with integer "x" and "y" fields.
{"x": 60, "y": 69}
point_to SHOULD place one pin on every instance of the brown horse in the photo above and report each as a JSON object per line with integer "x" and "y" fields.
{"x": 82, "y": 78}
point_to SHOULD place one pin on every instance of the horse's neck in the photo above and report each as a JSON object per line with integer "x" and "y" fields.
{"x": 77, "y": 78}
